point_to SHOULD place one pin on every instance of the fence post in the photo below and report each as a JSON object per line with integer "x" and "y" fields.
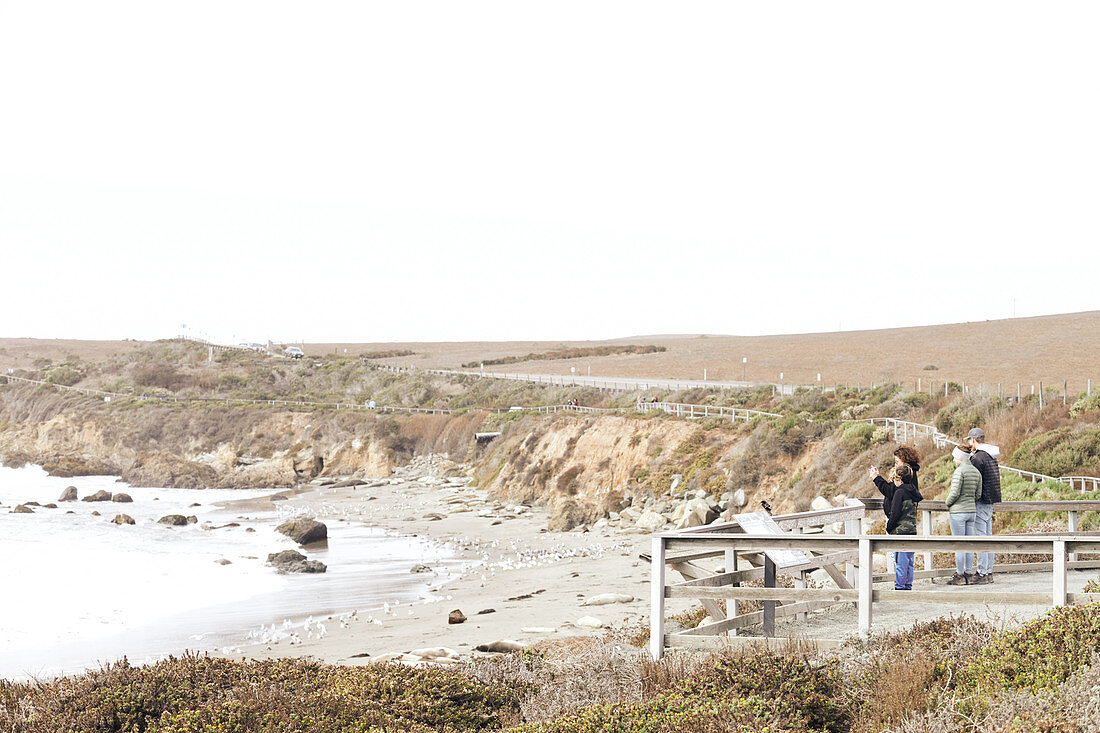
{"x": 1073, "y": 527}
{"x": 1040, "y": 394}
{"x": 852, "y": 529}
{"x": 657, "y": 600}
{"x": 926, "y": 530}
{"x": 1059, "y": 573}
{"x": 769, "y": 606}
{"x": 866, "y": 574}
{"x": 731, "y": 604}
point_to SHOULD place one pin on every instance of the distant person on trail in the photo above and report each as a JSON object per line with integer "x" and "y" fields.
{"x": 966, "y": 488}
{"x": 900, "y": 499}
{"x": 984, "y": 458}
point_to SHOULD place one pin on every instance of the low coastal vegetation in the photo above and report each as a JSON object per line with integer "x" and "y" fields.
{"x": 949, "y": 674}
{"x": 579, "y": 352}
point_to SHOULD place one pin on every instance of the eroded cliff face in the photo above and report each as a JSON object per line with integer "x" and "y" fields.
{"x": 587, "y": 467}
{"x": 216, "y": 446}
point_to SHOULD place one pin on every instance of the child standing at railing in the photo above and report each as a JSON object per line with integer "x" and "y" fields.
{"x": 900, "y": 499}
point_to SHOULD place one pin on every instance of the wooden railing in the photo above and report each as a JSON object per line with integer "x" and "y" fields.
{"x": 681, "y": 409}
{"x": 745, "y": 559}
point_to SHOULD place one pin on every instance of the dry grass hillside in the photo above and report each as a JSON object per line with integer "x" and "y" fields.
{"x": 1027, "y": 350}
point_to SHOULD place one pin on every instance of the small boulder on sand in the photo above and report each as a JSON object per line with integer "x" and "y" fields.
{"x": 456, "y": 617}
{"x": 291, "y": 561}
{"x": 100, "y": 495}
{"x": 123, "y": 519}
{"x": 173, "y": 520}
{"x": 122, "y": 498}
{"x": 69, "y": 494}
{"x": 22, "y": 509}
{"x": 304, "y": 531}
{"x": 590, "y": 622}
{"x": 501, "y": 646}
{"x": 605, "y": 599}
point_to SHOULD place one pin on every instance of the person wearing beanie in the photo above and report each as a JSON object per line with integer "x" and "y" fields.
{"x": 966, "y": 488}
{"x": 984, "y": 458}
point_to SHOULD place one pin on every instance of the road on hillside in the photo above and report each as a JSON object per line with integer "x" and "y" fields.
{"x": 625, "y": 384}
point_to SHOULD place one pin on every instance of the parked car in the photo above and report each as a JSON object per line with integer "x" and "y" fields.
{"x": 294, "y": 352}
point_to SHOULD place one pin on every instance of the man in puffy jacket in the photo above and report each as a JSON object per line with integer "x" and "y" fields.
{"x": 984, "y": 458}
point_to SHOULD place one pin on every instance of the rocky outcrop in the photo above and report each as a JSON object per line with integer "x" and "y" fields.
{"x": 456, "y": 617}
{"x": 289, "y": 561}
{"x": 124, "y": 519}
{"x": 121, "y": 498}
{"x": 69, "y": 494}
{"x": 177, "y": 520}
{"x": 168, "y": 471}
{"x": 22, "y": 509}
{"x": 100, "y": 495}
{"x": 304, "y": 531}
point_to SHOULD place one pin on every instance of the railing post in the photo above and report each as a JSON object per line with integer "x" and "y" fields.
{"x": 1073, "y": 530}
{"x": 657, "y": 600}
{"x": 1059, "y": 573}
{"x": 926, "y": 530}
{"x": 731, "y": 604}
{"x": 769, "y": 606}
{"x": 866, "y": 574}
{"x": 852, "y": 529}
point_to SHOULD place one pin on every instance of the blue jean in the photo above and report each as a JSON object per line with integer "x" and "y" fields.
{"x": 903, "y": 571}
{"x": 985, "y": 528}
{"x": 964, "y": 524}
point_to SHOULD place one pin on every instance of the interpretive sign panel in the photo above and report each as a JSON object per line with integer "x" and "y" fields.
{"x": 762, "y": 523}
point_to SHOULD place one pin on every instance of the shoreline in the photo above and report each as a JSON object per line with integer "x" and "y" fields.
{"x": 520, "y": 582}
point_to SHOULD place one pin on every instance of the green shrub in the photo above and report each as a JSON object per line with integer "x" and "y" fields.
{"x": 1085, "y": 403}
{"x": 917, "y": 399}
{"x": 857, "y": 436}
{"x": 1060, "y": 452}
{"x": 66, "y": 376}
{"x": 1040, "y": 655}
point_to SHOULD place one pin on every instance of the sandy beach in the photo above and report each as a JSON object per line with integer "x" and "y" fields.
{"x": 520, "y": 582}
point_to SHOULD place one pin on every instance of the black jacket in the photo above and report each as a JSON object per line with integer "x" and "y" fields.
{"x": 991, "y": 476}
{"x": 901, "y": 503}
{"x": 886, "y": 488}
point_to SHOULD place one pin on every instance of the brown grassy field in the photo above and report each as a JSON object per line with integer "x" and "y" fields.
{"x": 1026, "y": 350}
{"x": 1047, "y": 348}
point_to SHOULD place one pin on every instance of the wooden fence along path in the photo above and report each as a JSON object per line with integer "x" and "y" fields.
{"x": 848, "y": 560}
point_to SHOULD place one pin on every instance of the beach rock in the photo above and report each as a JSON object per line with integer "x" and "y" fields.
{"x": 677, "y": 480}
{"x": 605, "y": 599}
{"x": 100, "y": 495}
{"x": 69, "y": 494}
{"x": 650, "y": 521}
{"x": 693, "y": 513}
{"x": 304, "y": 531}
{"x": 122, "y": 498}
{"x": 420, "y": 568}
{"x": 123, "y": 519}
{"x": 291, "y": 561}
{"x": 590, "y": 622}
{"x": 173, "y": 520}
{"x": 278, "y": 497}
{"x": 31, "y": 503}
{"x": 67, "y": 466}
{"x": 456, "y": 617}
{"x": 95, "y": 514}
{"x": 51, "y": 505}
{"x": 501, "y": 646}
{"x": 739, "y": 499}
{"x": 22, "y": 509}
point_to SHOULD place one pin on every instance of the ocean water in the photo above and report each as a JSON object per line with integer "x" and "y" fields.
{"x": 76, "y": 590}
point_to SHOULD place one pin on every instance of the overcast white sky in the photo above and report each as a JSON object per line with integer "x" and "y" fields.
{"x": 370, "y": 171}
